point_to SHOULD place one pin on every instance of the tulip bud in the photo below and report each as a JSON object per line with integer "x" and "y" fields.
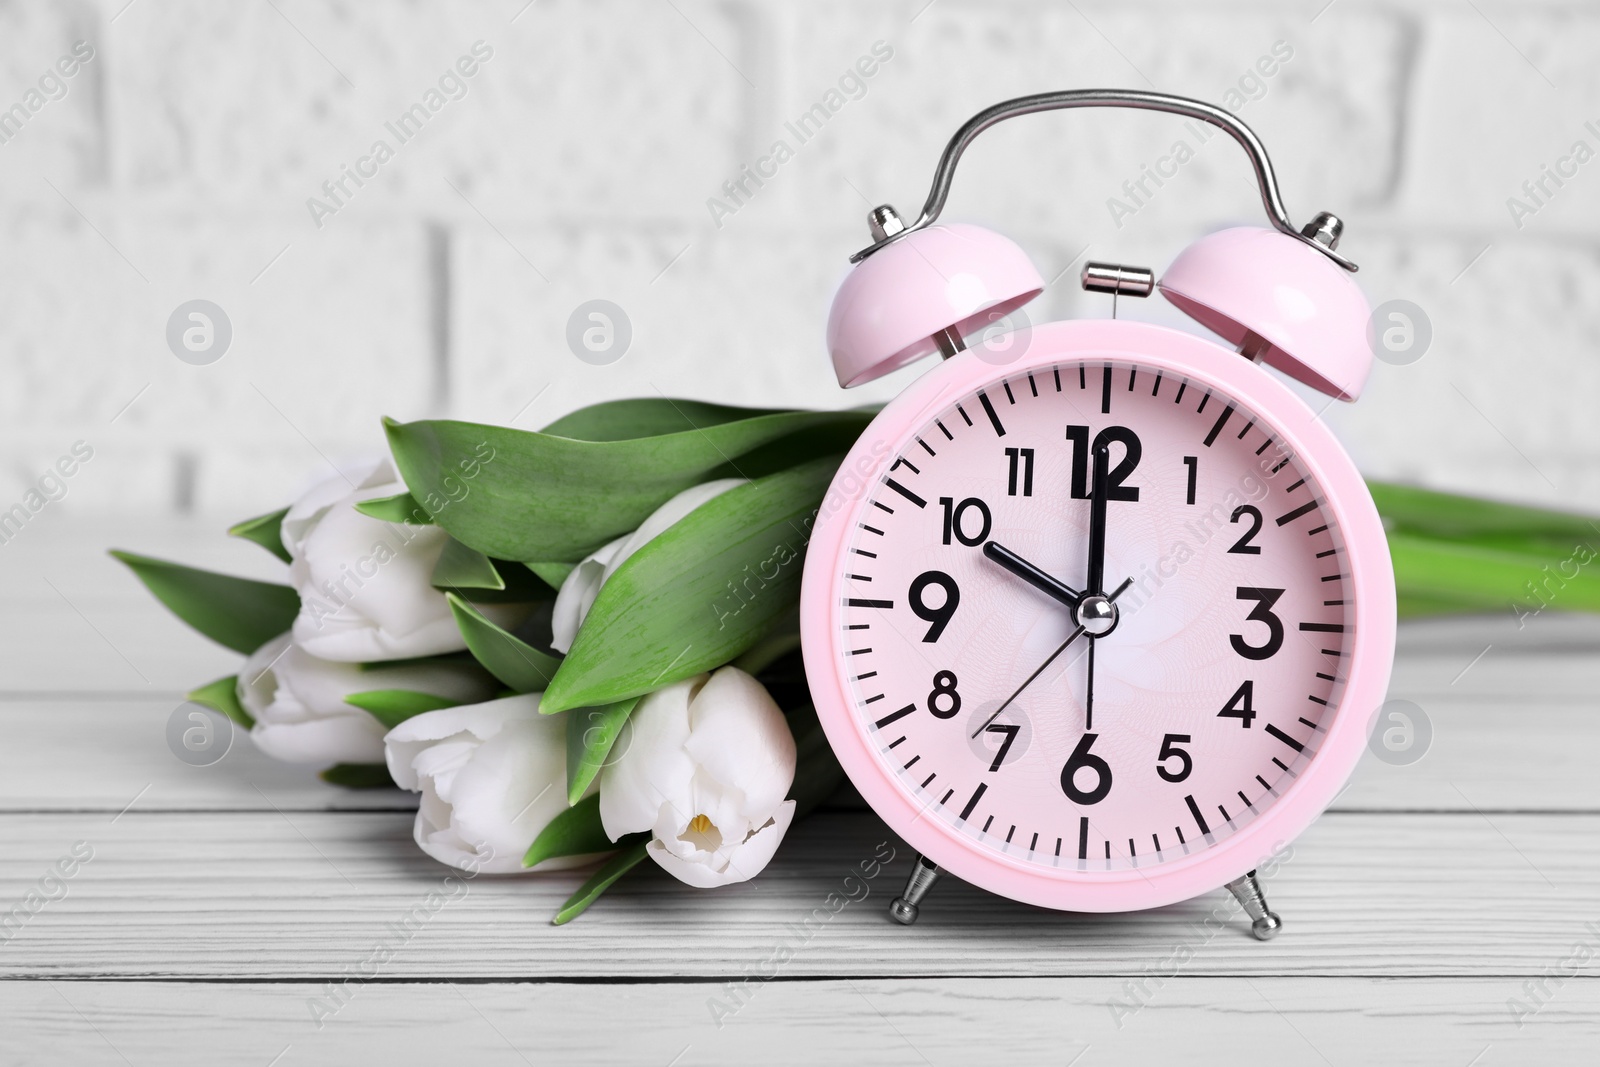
{"x": 705, "y": 766}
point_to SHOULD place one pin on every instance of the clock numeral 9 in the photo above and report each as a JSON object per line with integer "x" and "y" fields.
{"x": 1081, "y": 450}
{"x": 1261, "y": 613}
{"x": 939, "y": 615}
{"x": 944, "y": 689}
{"x": 955, "y": 523}
{"x": 1080, "y": 760}
{"x": 1170, "y": 750}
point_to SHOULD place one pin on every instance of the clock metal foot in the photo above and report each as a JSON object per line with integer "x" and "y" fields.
{"x": 1264, "y": 922}
{"x": 923, "y": 874}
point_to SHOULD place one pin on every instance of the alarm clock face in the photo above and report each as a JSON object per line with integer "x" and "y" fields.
{"x": 1222, "y": 663}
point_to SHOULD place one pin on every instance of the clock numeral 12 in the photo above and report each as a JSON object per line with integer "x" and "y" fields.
{"x": 1022, "y": 457}
{"x": 1132, "y": 450}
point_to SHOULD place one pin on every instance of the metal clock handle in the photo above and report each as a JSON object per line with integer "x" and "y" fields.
{"x": 1324, "y": 225}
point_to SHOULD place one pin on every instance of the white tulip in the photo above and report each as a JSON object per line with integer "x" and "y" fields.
{"x": 582, "y": 586}
{"x": 492, "y": 776}
{"x": 364, "y": 584}
{"x": 705, "y": 765}
{"x": 298, "y": 701}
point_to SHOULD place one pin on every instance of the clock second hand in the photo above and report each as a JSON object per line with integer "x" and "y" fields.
{"x": 1073, "y": 636}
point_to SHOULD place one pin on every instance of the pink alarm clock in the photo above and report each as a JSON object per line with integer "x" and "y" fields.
{"x": 1097, "y": 614}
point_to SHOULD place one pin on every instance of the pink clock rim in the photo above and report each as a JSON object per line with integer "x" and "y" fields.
{"x": 1372, "y": 581}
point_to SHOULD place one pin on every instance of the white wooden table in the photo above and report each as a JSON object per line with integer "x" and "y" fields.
{"x": 221, "y": 901}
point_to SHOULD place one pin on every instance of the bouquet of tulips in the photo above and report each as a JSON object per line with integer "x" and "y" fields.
{"x": 581, "y": 645}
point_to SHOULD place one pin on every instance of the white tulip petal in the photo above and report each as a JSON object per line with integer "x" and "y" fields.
{"x": 704, "y": 765}
{"x": 667, "y": 515}
{"x": 582, "y": 587}
{"x": 649, "y": 771}
{"x": 492, "y": 776}
{"x": 741, "y": 740}
{"x": 339, "y": 739}
{"x": 256, "y": 681}
{"x": 365, "y": 584}
{"x": 577, "y": 596}
{"x": 739, "y": 863}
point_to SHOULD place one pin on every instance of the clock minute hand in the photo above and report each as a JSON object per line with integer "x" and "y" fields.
{"x": 1031, "y": 574}
{"x": 1096, "y": 581}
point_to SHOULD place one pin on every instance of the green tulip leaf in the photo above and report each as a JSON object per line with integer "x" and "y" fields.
{"x": 552, "y": 574}
{"x": 392, "y": 707}
{"x": 223, "y": 695}
{"x": 603, "y": 879}
{"x": 575, "y": 832}
{"x": 590, "y": 734}
{"x": 460, "y": 567}
{"x": 1483, "y": 578}
{"x": 509, "y": 658}
{"x": 1450, "y": 516}
{"x": 706, "y": 589}
{"x": 402, "y": 507}
{"x": 264, "y": 530}
{"x": 546, "y": 497}
{"x": 237, "y": 613}
{"x": 652, "y": 416}
{"x": 359, "y": 776}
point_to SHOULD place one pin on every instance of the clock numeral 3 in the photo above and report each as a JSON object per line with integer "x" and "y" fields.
{"x": 955, "y": 524}
{"x": 1170, "y": 750}
{"x": 1081, "y": 451}
{"x": 939, "y": 615}
{"x": 1080, "y": 760}
{"x": 1261, "y": 613}
{"x": 1243, "y": 546}
{"x": 944, "y": 688}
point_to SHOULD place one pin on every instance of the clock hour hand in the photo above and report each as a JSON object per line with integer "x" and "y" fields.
{"x": 1031, "y": 574}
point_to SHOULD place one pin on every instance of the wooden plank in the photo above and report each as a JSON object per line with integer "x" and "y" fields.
{"x": 298, "y": 895}
{"x": 98, "y": 755}
{"x": 879, "y": 1021}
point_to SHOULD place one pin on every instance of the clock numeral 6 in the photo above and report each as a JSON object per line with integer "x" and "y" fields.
{"x": 944, "y": 688}
{"x": 1170, "y": 750}
{"x": 955, "y": 523}
{"x": 1261, "y": 613}
{"x": 1080, "y": 760}
{"x": 938, "y": 615}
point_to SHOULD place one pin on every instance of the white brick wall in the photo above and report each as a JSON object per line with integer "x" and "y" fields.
{"x": 578, "y": 163}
